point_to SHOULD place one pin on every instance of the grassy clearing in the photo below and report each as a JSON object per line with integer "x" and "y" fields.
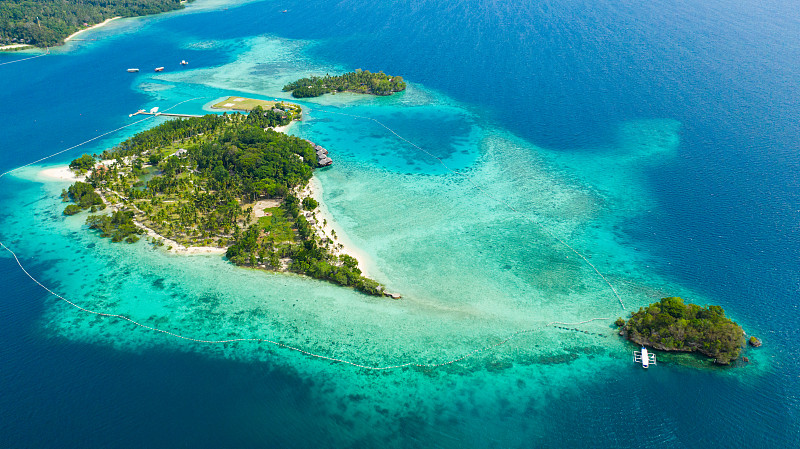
{"x": 276, "y": 225}
{"x": 244, "y": 104}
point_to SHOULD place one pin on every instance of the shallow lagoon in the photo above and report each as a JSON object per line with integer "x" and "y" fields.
{"x": 473, "y": 271}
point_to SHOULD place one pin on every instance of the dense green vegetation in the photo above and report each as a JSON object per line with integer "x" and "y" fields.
{"x": 362, "y": 82}
{"x": 310, "y": 203}
{"x": 47, "y": 22}
{"x": 671, "y": 325}
{"x": 165, "y": 134}
{"x": 84, "y": 197}
{"x": 83, "y": 163}
{"x": 257, "y": 247}
{"x": 207, "y": 176}
{"x": 119, "y": 226}
{"x": 280, "y": 115}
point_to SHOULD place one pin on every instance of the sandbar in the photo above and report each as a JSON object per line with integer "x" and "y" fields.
{"x": 61, "y": 173}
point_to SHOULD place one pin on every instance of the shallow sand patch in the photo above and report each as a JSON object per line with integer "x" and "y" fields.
{"x": 61, "y": 173}
{"x": 258, "y": 207}
{"x": 327, "y": 227}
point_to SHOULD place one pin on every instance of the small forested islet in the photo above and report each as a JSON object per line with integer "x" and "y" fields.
{"x": 360, "y": 81}
{"x": 671, "y": 325}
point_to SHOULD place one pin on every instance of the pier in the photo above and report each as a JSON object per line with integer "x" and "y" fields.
{"x": 165, "y": 114}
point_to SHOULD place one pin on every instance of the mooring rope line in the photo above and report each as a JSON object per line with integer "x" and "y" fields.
{"x": 93, "y": 139}
{"x": 284, "y": 345}
{"x": 47, "y": 52}
{"x": 261, "y": 340}
{"x": 492, "y": 197}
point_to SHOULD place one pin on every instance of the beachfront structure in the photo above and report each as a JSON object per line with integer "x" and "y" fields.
{"x": 322, "y": 155}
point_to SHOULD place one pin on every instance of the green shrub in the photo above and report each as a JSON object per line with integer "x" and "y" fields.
{"x": 72, "y": 209}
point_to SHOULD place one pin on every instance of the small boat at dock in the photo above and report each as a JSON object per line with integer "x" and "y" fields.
{"x": 159, "y": 69}
{"x": 133, "y": 70}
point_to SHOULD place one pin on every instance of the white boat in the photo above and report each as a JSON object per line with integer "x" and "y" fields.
{"x": 644, "y": 357}
{"x": 184, "y": 62}
{"x": 159, "y": 69}
{"x": 133, "y": 70}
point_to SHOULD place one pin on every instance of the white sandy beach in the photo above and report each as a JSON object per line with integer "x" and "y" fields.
{"x": 14, "y": 46}
{"x": 105, "y": 22}
{"x": 61, "y": 173}
{"x": 326, "y": 224}
{"x": 285, "y": 128}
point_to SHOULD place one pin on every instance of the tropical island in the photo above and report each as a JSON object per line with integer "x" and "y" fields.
{"x": 360, "y": 81}
{"x": 224, "y": 182}
{"x": 44, "y": 23}
{"x": 671, "y": 325}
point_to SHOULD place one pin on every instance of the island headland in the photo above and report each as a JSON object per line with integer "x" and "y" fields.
{"x": 48, "y": 24}
{"x": 359, "y": 81}
{"x": 671, "y": 325}
{"x": 223, "y": 183}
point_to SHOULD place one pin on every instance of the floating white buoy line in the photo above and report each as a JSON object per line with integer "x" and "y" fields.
{"x": 277, "y": 343}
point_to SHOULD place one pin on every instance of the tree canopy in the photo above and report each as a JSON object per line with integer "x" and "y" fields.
{"x": 83, "y": 163}
{"x": 46, "y": 22}
{"x": 359, "y": 81}
{"x": 118, "y": 226}
{"x": 84, "y": 197}
{"x": 671, "y": 325}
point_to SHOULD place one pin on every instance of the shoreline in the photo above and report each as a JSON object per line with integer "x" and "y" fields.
{"x": 60, "y": 173}
{"x": 285, "y": 128}
{"x": 327, "y": 224}
{"x": 325, "y": 227}
{"x": 173, "y": 247}
{"x": 15, "y": 47}
{"x": 98, "y": 25}
{"x": 198, "y": 5}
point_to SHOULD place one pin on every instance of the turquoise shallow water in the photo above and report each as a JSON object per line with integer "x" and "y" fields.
{"x": 480, "y": 248}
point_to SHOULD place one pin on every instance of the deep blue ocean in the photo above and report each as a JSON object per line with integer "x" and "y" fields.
{"x": 724, "y": 220}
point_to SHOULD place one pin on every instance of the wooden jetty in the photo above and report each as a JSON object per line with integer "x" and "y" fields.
{"x": 165, "y": 114}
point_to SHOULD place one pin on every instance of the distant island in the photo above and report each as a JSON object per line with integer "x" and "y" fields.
{"x": 46, "y": 23}
{"x": 671, "y": 325}
{"x": 221, "y": 182}
{"x": 360, "y": 81}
